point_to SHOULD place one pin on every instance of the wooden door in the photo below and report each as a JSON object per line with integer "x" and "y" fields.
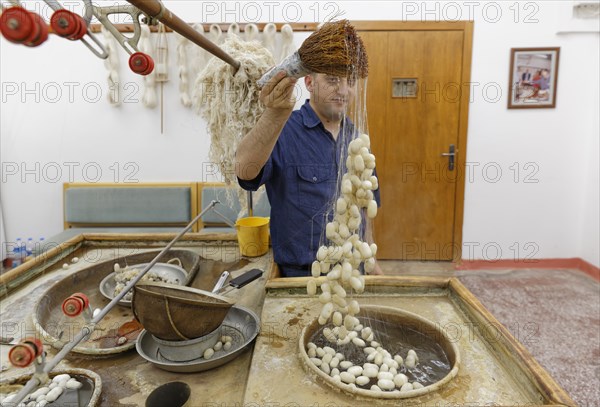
{"x": 418, "y": 215}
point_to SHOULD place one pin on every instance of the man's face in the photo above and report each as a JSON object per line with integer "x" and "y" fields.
{"x": 329, "y": 95}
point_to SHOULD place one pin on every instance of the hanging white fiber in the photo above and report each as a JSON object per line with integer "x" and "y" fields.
{"x": 269, "y": 33}
{"x": 215, "y": 33}
{"x": 149, "y": 98}
{"x": 112, "y": 64}
{"x": 287, "y": 42}
{"x": 197, "y": 56}
{"x": 229, "y": 103}
{"x": 251, "y": 32}
{"x": 184, "y": 72}
{"x": 161, "y": 50}
{"x": 234, "y": 29}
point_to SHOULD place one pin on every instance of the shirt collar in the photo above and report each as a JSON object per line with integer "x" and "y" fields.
{"x": 310, "y": 118}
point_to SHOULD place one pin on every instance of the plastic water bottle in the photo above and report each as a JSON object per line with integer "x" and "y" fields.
{"x": 29, "y": 247}
{"x": 14, "y": 257}
{"x": 39, "y": 248}
{"x": 15, "y": 253}
{"x": 22, "y": 251}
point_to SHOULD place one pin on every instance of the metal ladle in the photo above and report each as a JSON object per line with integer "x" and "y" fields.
{"x": 224, "y": 276}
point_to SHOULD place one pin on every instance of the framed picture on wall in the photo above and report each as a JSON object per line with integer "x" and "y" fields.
{"x": 533, "y": 77}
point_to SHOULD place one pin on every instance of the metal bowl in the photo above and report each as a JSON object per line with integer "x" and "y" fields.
{"x": 164, "y": 270}
{"x": 241, "y": 324}
{"x": 176, "y": 313}
{"x": 184, "y": 351}
{"x": 87, "y": 395}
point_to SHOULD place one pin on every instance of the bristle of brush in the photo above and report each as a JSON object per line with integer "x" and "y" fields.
{"x": 335, "y": 49}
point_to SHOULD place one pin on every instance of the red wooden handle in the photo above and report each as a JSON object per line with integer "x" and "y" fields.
{"x": 25, "y": 352}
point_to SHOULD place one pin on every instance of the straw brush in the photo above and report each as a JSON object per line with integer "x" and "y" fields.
{"x": 334, "y": 49}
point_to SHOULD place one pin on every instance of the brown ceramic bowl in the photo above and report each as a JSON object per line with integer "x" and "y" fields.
{"x": 176, "y": 313}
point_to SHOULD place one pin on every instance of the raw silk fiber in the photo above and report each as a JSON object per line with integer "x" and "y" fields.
{"x": 229, "y": 103}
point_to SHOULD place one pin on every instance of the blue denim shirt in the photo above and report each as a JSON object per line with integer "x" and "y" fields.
{"x": 301, "y": 182}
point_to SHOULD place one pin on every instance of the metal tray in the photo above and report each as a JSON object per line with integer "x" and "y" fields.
{"x": 164, "y": 270}
{"x": 240, "y": 323}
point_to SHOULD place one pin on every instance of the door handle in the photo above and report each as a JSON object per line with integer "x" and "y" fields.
{"x": 451, "y": 154}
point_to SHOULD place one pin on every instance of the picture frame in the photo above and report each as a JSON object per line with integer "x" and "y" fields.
{"x": 533, "y": 78}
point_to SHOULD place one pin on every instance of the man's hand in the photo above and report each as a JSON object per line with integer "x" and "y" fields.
{"x": 278, "y": 94}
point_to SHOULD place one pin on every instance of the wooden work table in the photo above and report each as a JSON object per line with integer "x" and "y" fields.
{"x": 127, "y": 378}
{"x": 269, "y": 372}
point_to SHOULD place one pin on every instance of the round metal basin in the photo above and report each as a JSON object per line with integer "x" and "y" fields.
{"x": 56, "y": 329}
{"x": 400, "y": 330}
{"x": 87, "y": 395}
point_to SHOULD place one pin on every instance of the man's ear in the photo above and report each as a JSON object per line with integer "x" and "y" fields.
{"x": 308, "y": 82}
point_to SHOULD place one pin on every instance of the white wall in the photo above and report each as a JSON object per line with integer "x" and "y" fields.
{"x": 2, "y": 236}
{"x": 548, "y": 209}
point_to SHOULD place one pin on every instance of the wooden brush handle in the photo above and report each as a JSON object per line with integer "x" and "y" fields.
{"x": 155, "y": 9}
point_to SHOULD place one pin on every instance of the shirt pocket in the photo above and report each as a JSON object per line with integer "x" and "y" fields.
{"x": 316, "y": 186}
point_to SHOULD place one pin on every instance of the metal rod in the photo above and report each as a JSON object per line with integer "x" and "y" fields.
{"x": 297, "y": 27}
{"x": 88, "y": 11}
{"x": 156, "y": 10}
{"x": 100, "y": 51}
{"x": 250, "y": 204}
{"x": 225, "y": 218}
{"x": 130, "y": 42}
{"x": 225, "y": 290}
{"x": 89, "y": 328}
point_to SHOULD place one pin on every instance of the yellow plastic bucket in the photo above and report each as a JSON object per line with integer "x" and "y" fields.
{"x": 253, "y": 235}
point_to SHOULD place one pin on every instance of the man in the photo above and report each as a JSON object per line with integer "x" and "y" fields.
{"x": 297, "y": 155}
{"x": 541, "y": 84}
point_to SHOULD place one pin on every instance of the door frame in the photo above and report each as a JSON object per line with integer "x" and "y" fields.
{"x": 461, "y": 149}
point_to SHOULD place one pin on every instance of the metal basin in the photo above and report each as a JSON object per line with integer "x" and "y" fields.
{"x": 184, "y": 351}
{"x": 56, "y": 329}
{"x": 175, "y": 313}
{"x": 412, "y": 331}
{"x": 241, "y": 324}
{"x": 87, "y": 395}
{"x": 166, "y": 271}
